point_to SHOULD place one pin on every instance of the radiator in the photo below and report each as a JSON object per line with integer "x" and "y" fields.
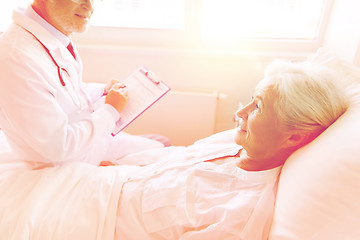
{"x": 183, "y": 117}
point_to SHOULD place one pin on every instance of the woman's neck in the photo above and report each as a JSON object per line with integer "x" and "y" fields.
{"x": 249, "y": 163}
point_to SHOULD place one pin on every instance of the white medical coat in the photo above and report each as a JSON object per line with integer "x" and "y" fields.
{"x": 43, "y": 120}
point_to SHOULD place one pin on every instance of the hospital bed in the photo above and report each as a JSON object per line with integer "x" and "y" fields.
{"x": 318, "y": 196}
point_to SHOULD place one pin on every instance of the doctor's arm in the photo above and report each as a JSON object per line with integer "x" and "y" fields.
{"x": 29, "y": 96}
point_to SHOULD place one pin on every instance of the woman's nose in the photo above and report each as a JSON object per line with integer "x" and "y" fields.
{"x": 243, "y": 112}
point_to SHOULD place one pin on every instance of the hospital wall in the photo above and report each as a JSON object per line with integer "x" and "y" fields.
{"x": 343, "y": 33}
{"x": 231, "y": 73}
{"x": 233, "y": 76}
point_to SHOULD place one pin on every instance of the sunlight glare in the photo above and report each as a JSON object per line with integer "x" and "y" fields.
{"x": 230, "y": 20}
{"x": 5, "y": 14}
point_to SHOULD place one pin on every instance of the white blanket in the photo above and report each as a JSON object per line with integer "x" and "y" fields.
{"x": 72, "y": 202}
{"x": 76, "y": 201}
{"x": 79, "y": 201}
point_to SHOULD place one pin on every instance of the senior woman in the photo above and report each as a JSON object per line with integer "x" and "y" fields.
{"x": 215, "y": 189}
{"x": 292, "y": 105}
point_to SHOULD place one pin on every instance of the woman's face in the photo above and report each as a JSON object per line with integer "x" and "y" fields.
{"x": 259, "y": 130}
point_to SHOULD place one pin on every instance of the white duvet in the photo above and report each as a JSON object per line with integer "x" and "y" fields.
{"x": 76, "y": 201}
{"x": 79, "y": 201}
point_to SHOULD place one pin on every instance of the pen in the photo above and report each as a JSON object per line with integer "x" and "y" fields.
{"x": 150, "y": 76}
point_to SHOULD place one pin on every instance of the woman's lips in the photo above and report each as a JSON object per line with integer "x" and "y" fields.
{"x": 241, "y": 129}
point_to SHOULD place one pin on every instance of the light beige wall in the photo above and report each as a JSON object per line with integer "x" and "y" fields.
{"x": 232, "y": 73}
{"x": 343, "y": 34}
{"x": 184, "y": 70}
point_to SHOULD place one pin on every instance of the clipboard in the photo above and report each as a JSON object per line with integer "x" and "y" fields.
{"x": 144, "y": 90}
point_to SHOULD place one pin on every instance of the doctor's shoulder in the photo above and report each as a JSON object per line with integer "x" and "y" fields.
{"x": 23, "y": 61}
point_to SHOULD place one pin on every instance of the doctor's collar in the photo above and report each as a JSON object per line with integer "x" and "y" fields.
{"x": 31, "y": 13}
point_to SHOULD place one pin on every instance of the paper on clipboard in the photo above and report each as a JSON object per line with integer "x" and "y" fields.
{"x": 144, "y": 89}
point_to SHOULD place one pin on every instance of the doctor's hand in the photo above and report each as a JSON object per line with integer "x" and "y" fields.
{"x": 117, "y": 97}
{"x": 109, "y": 85}
{"x": 108, "y": 163}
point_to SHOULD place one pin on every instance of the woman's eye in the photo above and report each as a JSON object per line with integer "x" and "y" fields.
{"x": 257, "y": 107}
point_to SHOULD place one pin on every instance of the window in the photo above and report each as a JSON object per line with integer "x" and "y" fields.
{"x": 155, "y": 14}
{"x": 286, "y": 19}
{"x": 199, "y": 23}
{"x": 214, "y": 23}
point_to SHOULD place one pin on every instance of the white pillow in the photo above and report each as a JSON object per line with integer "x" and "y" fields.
{"x": 319, "y": 188}
{"x": 4, "y": 145}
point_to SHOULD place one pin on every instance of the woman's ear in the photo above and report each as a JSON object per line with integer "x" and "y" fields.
{"x": 298, "y": 138}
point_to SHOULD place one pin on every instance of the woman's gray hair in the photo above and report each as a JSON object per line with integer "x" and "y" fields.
{"x": 309, "y": 96}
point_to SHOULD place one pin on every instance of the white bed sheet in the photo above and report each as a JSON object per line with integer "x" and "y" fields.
{"x": 76, "y": 201}
{"x": 8, "y": 160}
{"x": 70, "y": 202}
{"x": 81, "y": 201}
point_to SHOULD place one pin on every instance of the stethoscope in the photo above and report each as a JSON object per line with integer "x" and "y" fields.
{"x": 61, "y": 72}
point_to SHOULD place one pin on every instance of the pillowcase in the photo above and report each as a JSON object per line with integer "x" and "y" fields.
{"x": 4, "y": 145}
{"x": 318, "y": 194}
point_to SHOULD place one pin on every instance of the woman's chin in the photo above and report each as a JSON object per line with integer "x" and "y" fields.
{"x": 240, "y": 136}
{"x": 238, "y": 139}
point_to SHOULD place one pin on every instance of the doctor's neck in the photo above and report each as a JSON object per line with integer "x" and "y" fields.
{"x": 40, "y": 9}
{"x": 67, "y": 16}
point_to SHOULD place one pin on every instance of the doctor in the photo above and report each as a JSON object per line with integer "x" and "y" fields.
{"x": 47, "y": 113}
